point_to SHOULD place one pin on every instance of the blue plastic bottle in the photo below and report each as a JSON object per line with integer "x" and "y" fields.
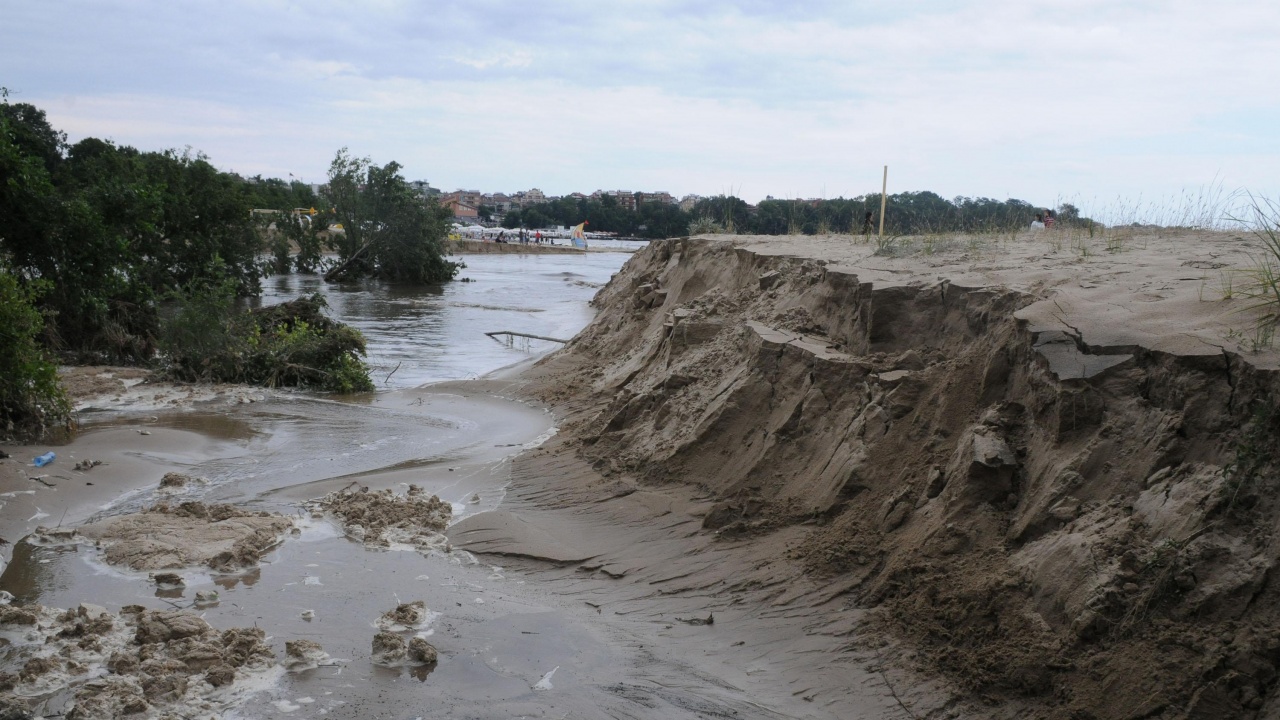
{"x": 45, "y": 459}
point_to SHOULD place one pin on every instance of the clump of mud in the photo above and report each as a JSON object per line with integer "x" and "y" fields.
{"x": 222, "y": 537}
{"x": 175, "y": 481}
{"x": 390, "y": 649}
{"x": 403, "y": 617}
{"x": 304, "y": 655}
{"x": 138, "y": 663}
{"x": 381, "y": 518}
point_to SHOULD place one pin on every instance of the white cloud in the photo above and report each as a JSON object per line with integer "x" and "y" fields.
{"x": 1035, "y": 98}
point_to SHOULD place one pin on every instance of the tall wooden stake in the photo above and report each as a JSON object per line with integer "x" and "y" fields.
{"x": 883, "y": 190}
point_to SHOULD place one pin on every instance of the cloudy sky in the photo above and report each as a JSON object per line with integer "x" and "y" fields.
{"x": 1044, "y": 100}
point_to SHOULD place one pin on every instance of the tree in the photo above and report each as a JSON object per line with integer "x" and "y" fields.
{"x": 31, "y": 401}
{"x": 31, "y": 132}
{"x": 387, "y": 231}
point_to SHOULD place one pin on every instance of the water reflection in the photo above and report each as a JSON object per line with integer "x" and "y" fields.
{"x": 32, "y": 572}
{"x": 249, "y": 578}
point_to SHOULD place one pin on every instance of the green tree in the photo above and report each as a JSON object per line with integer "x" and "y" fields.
{"x": 387, "y": 231}
{"x": 31, "y": 401}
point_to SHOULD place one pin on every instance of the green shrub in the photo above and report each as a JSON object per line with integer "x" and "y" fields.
{"x": 292, "y": 344}
{"x": 32, "y": 402}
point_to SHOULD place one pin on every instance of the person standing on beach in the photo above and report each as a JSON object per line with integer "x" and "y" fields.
{"x": 1049, "y": 220}
{"x": 1038, "y": 223}
{"x": 868, "y": 223}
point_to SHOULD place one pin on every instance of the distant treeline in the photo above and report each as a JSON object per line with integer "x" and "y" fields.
{"x": 910, "y": 213}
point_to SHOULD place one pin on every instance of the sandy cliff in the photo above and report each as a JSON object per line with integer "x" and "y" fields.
{"x": 1053, "y": 476}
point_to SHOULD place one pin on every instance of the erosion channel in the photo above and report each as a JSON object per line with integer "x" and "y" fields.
{"x": 771, "y": 478}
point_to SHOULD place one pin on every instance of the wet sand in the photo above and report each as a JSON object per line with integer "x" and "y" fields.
{"x": 516, "y": 636}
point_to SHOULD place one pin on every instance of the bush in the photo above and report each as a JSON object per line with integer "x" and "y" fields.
{"x": 31, "y": 401}
{"x": 292, "y": 344}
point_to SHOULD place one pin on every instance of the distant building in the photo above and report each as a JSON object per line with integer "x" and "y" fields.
{"x": 626, "y": 199}
{"x": 688, "y": 201}
{"x": 532, "y": 196}
{"x": 500, "y": 202}
{"x": 461, "y": 210}
{"x": 470, "y": 197}
{"x": 657, "y": 197}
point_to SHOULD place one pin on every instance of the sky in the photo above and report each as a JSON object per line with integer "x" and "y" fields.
{"x": 1096, "y": 102}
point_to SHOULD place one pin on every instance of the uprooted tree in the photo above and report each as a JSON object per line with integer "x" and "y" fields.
{"x": 206, "y": 338}
{"x": 386, "y": 231}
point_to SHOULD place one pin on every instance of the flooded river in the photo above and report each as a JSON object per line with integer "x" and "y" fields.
{"x": 507, "y": 648}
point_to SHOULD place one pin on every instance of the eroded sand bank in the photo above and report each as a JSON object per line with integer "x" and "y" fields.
{"x": 1021, "y": 467}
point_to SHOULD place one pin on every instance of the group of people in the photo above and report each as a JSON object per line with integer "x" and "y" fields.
{"x": 524, "y": 237}
{"x": 1043, "y": 221}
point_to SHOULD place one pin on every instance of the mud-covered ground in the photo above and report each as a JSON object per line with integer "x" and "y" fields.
{"x": 338, "y": 555}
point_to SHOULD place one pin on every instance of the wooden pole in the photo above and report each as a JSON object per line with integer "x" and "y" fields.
{"x": 884, "y": 188}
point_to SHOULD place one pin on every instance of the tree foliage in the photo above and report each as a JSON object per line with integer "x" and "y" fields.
{"x": 207, "y": 338}
{"x": 31, "y": 401}
{"x": 387, "y": 231}
{"x": 101, "y": 240}
{"x": 110, "y": 229}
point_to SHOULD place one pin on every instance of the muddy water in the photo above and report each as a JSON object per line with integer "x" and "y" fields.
{"x": 436, "y": 333}
{"x": 508, "y": 648}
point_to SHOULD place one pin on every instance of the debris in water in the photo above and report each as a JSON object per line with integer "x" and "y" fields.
{"x": 545, "y": 682}
{"x": 168, "y": 581}
{"x": 710, "y": 619}
{"x": 304, "y": 655}
{"x": 140, "y": 662}
{"x": 422, "y": 652}
{"x": 389, "y": 649}
{"x": 308, "y": 615}
{"x": 380, "y": 518}
{"x": 173, "y": 481}
{"x": 85, "y": 465}
{"x": 404, "y": 616}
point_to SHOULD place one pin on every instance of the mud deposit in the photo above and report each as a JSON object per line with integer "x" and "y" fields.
{"x": 138, "y": 663}
{"x": 380, "y": 518}
{"x": 220, "y": 537}
{"x": 357, "y": 629}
